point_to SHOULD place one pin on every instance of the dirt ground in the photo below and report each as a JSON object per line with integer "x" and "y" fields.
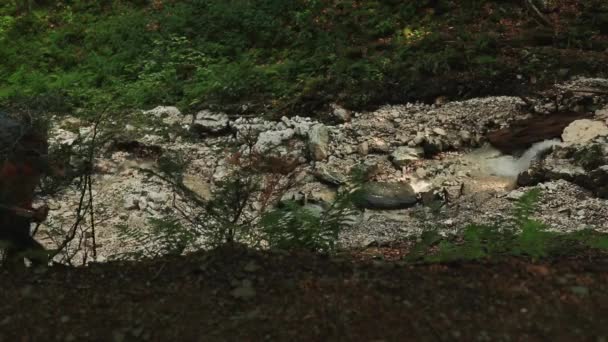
{"x": 235, "y": 294}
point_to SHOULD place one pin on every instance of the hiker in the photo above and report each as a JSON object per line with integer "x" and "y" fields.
{"x": 24, "y": 160}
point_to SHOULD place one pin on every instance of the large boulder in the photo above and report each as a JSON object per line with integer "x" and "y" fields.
{"x": 583, "y": 131}
{"x": 318, "y": 142}
{"x": 385, "y": 196}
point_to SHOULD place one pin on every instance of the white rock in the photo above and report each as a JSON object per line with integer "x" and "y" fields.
{"x": 378, "y": 145}
{"x": 198, "y": 185}
{"x": 62, "y": 137}
{"x": 271, "y": 139}
{"x": 131, "y": 202}
{"x": 363, "y": 148}
{"x": 439, "y": 131}
{"x": 602, "y": 113}
{"x": 404, "y": 155}
{"x": 419, "y": 139}
{"x": 318, "y": 140}
{"x": 340, "y": 114}
{"x": 168, "y": 114}
{"x": 187, "y": 120}
{"x": 286, "y": 121}
{"x": 301, "y": 128}
{"x": 465, "y": 136}
{"x": 211, "y": 122}
{"x": 142, "y": 203}
{"x": 515, "y": 194}
{"x": 220, "y": 173}
{"x": 158, "y": 196}
{"x": 582, "y": 131}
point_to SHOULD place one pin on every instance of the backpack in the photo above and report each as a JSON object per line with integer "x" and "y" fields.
{"x": 23, "y": 159}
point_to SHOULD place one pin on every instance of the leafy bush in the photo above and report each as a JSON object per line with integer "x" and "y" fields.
{"x": 308, "y": 228}
{"x": 521, "y": 235}
{"x": 277, "y": 55}
{"x": 244, "y": 208}
{"x": 164, "y": 236}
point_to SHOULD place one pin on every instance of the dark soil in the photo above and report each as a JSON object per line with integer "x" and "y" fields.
{"x": 364, "y": 296}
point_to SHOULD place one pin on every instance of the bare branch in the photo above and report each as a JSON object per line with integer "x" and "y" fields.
{"x": 539, "y": 15}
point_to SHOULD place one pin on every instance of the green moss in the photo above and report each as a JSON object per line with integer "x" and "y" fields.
{"x": 590, "y": 157}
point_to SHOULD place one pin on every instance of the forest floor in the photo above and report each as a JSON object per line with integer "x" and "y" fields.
{"x": 236, "y": 294}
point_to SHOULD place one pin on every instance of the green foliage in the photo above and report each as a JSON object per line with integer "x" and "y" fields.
{"x": 521, "y": 236}
{"x": 524, "y": 207}
{"x": 242, "y": 209}
{"x": 157, "y": 75}
{"x": 475, "y": 242}
{"x": 272, "y": 55}
{"x": 298, "y": 227}
{"x": 164, "y": 236}
{"x": 210, "y": 224}
{"x": 312, "y": 228}
{"x": 225, "y": 219}
{"x": 533, "y": 241}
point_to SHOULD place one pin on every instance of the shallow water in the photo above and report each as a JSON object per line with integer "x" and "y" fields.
{"x": 487, "y": 161}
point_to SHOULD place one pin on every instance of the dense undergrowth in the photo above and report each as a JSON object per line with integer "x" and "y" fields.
{"x": 520, "y": 235}
{"x": 286, "y": 56}
{"x": 292, "y": 226}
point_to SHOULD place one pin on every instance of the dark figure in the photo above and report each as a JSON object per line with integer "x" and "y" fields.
{"x": 18, "y": 242}
{"x": 22, "y": 164}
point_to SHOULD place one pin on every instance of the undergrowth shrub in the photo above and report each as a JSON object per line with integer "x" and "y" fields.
{"x": 276, "y": 55}
{"x": 520, "y": 235}
{"x": 245, "y": 208}
{"x": 294, "y": 226}
{"x": 164, "y": 236}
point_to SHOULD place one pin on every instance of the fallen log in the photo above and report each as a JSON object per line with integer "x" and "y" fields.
{"x": 523, "y": 133}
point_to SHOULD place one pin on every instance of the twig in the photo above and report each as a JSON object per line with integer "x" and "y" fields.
{"x": 160, "y": 270}
{"x": 92, "y": 217}
{"x": 539, "y": 14}
{"x": 598, "y": 92}
{"x": 85, "y": 254}
{"x": 79, "y": 217}
{"x": 86, "y": 181}
{"x": 36, "y": 229}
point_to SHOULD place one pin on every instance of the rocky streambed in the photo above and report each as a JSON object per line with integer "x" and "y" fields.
{"x": 413, "y": 155}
